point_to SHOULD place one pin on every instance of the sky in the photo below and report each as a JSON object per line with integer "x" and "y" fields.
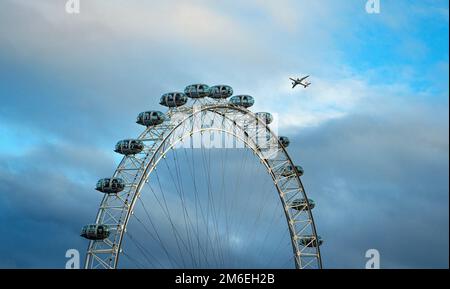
{"x": 371, "y": 131}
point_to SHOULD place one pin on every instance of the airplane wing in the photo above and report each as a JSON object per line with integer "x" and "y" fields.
{"x": 305, "y": 85}
{"x": 292, "y": 79}
{"x": 303, "y": 78}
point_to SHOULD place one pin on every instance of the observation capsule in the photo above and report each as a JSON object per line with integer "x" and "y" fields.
{"x": 110, "y": 185}
{"x": 265, "y": 117}
{"x": 151, "y": 118}
{"x": 289, "y": 170}
{"x": 300, "y": 204}
{"x": 95, "y": 232}
{"x": 220, "y": 91}
{"x": 310, "y": 241}
{"x": 197, "y": 90}
{"x": 129, "y": 147}
{"x": 284, "y": 140}
{"x": 173, "y": 99}
{"x": 242, "y": 100}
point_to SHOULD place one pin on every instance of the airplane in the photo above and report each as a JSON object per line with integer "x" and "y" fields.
{"x": 300, "y": 81}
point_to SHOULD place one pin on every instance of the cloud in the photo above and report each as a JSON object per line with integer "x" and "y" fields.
{"x": 104, "y": 23}
{"x": 112, "y": 51}
{"x": 379, "y": 181}
{"x": 42, "y": 210}
{"x": 371, "y": 131}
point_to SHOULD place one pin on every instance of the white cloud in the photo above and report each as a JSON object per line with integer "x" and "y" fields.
{"x": 326, "y": 99}
{"x": 177, "y": 25}
{"x": 210, "y": 42}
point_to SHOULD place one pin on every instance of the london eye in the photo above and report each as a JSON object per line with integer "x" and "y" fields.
{"x": 207, "y": 184}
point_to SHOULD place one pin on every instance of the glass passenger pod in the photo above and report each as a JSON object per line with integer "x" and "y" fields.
{"x": 284, "y": 140}
{"x": 110, "y": 185}
{"x": 310, "y": 241}
{"x": 220, "y": 91}
{"x": 129, "y": 147}
{"x": 289, "y": 170}
{"x": 197, "y": 90}
{"x": 95, "y": 232}
{"x": 173, "y": 99}
{"x": 300, "y": 204}
{"x": 265, "y": 117}
{"x": 242, "y": 100}
{"x": 151, "y": 118}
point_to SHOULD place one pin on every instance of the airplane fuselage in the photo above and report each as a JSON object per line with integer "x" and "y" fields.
{"x": 300, "y": 81}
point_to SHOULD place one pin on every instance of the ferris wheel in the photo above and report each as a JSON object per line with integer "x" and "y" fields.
{"x": 207, "y": 184}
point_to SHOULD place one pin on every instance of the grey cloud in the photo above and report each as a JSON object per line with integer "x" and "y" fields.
{"x": 379, "y": 182}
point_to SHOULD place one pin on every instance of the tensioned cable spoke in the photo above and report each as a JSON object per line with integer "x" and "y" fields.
{"x": 262, "y": 205}
{"x": 198, "y": 205}
{"x": 168, "y": 215}
{"x": 144, "y": 226}
{"x": 214, "y": 212}
{"x": 225, "y": 205}
{"x": 234, "y": 205}
{"x": 199, "y": 247}
{"x": 279, "y": 245}
{"x": 183, "y": 208}
{"x": 147, "y": 254}
{"x": 167, "y": 210}
{"x": 207, "y": 177}
{"x": 258, "y": 200}
{"x": 135, "y": 261}
{"x": 156, "y": 232}
{"x": 241, "y": 174}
